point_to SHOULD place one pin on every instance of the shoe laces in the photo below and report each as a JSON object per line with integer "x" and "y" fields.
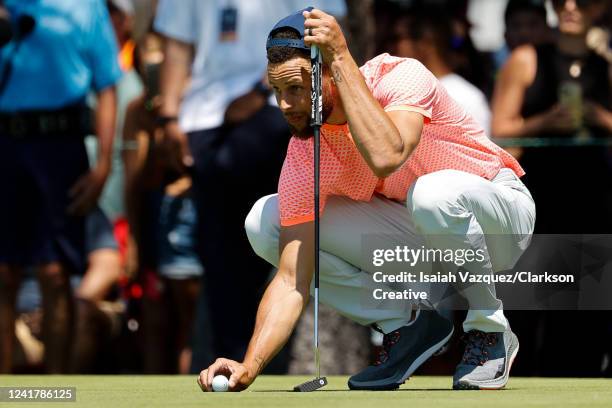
{"x": 389, "y": 340}
{"x": 476, "y": 345}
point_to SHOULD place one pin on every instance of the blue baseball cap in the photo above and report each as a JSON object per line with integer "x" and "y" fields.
{"x": 294, "y": 21}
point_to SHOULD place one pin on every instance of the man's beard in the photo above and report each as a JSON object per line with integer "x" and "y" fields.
{"x": 328, "y": 106}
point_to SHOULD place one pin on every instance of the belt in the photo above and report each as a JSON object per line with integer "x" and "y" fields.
{"x": 72, "y": 121}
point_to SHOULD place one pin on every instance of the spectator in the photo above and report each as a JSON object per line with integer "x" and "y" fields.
{"x": 93, "y": 324}
{"x": 427, "y": 35}
{"x": 103, "y": 270}
{"x": 529, "y": 101}
{"x": 235, "y": 143}
{"x": 162, "y": 221}
{"x": 467, "y": 61}
{"x": 128, "y": 88}
{"x": 475, "y": 66}
{"x": 599, "y": 37}
{"x": 526, "y": 23}
{"x": 552, "y": 91}
{"x": 43, "y": 165}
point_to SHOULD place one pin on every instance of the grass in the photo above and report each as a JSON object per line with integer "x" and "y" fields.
{"x": 274, "y": 391}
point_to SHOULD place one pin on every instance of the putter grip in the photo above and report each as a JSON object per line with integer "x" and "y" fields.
{"x": 316, "y": 115}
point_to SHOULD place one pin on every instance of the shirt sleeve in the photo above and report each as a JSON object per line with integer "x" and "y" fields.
{"x": 404, "y": 84}
{"x": 177, "y": 21}
{"x": 102, "y": 49}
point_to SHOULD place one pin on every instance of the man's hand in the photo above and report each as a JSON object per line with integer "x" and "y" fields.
{"x": 87, "y": 189}
{"x": 279, "y": 310}
{"x": 324, "y": 31}
{"x": 598, "y": 116}
{"x": 383, "y": 144}
{"x": 176, "y": 148}
{"x": 243, "y": 107}
{"x": 558, "y": 119}
{"x": 237, "y": 373}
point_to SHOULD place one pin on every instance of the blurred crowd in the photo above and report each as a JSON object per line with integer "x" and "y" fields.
{"x": 135, "y": 135}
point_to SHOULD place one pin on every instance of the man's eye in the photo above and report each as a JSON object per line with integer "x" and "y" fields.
{"x": 295, "y": 88}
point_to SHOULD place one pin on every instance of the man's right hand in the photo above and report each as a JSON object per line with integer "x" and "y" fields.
{"x": 236, "y": 372}
{"x": 279, "y": 310}
{"x": 176, "y": 146}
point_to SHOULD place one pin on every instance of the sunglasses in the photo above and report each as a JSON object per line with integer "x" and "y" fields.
{"x": 579, "y": 3}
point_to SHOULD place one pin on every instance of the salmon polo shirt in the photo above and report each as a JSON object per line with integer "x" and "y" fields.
{"x": 451, "y": 139}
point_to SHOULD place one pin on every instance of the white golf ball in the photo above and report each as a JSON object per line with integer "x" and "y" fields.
{"x": 220, "y": 383}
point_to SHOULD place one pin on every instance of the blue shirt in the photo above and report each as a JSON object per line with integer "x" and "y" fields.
{"x": 71, "y": 50}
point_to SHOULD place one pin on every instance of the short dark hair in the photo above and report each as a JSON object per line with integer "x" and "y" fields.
{"x": 280, "y": 54}
{"x": 515, "y": 6}
{"x": 434, "y": 22}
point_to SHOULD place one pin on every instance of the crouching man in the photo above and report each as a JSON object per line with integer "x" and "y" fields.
{"x": 398, "y": 156}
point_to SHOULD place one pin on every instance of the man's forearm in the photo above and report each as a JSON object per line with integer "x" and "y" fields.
{"x": 278, "y": 312}
{"x": 105, "y": 125}
{"x": 174, "y": 73}
{"x": 375, "y": 134}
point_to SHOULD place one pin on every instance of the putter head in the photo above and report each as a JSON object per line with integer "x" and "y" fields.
{"x": 311, "y": 385}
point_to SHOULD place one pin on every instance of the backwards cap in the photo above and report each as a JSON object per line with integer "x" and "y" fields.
{"x": 294, "y": 21}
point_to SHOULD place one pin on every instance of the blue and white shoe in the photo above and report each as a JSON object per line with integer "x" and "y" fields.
{"x": 487, "y": 360}
{"x": 404, "y": 350}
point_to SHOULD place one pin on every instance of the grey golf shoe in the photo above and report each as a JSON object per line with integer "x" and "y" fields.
{"x": 486, "y": 361}
{"x": 404, "y": 350}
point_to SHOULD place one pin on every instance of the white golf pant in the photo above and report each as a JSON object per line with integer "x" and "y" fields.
{"x": 445, "y": 209}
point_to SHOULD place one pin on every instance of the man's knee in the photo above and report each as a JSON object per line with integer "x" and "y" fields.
{"x": 433, "y": 202}
{"x": 262, "y": 226}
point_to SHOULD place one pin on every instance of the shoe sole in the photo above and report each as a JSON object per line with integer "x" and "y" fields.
{"x": 394, "y": 384}
{"x": 496, "y": 384}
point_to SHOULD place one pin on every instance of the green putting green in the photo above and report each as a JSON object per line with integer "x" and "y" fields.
{"x": 275, "y": 391}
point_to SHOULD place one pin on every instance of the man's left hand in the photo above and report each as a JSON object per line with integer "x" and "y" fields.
{"x": 87, "y": 189}
{"x": 323, "y": 30}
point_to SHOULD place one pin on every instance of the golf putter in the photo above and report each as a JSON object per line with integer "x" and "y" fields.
{"x": 316, "y": 120}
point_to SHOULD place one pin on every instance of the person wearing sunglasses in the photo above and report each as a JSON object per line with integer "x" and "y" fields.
{"x": 562, "y": 91}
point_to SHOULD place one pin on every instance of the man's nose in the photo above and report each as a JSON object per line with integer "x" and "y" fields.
{"x": 284, "y": 104}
